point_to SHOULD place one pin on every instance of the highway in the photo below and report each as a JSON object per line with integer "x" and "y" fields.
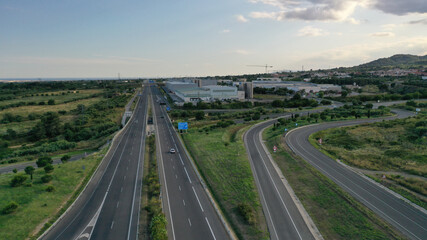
{"x": 108, "y": 208}
{"x": 409, "y": 220}
{"x": 284, "y": 220}
{"x": 188, "y": 210}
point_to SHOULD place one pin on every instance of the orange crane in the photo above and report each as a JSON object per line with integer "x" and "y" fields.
{"x": 266, "y": 66}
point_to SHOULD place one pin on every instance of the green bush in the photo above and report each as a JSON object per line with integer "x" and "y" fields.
{"x": 9, "y": 208}
{"x": 48, "y": 168}
{"x": 50, "y": 188}
{"x": 247, "y": 213}
{"x": 65, "y": 158}
{"x": 18, "y": 180}
{"x": 158, "y": 227}
{"x": 46, "y": 178}
{"x": 43, "y": 161}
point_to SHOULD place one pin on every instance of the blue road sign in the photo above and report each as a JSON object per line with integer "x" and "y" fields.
{"x": 286, "y": 129}
{"x": 296, "y": 124}
{"x": 182, "y": 125}
{"x": 168, "y": 108}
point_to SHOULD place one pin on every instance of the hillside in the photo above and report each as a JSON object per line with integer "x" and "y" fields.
{"x": 395, "y": 61}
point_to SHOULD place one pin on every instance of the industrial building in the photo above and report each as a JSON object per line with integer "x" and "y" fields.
{"x": 297, "y": 86}
{"x": 191, "y": 92}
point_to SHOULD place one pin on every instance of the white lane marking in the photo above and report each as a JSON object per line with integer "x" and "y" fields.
{"x": 195, "y": 194}
{"x": 183, "y": 202}
{"x": 127, "y": 168}
{"x": 277, "y": 190}
{"x": 261, "y": 189}
{"x": 180, "y": 158}
{"x": 189, "y": 222}
{"x": 349, "y": 189}
{"x": 124, "y": 177}
{"x": 112, "y": 224}
{"x": 179, "y": 188}
{"x": 121, "y": 189}
{"x": 176, "y": 176}
{"x": 213, "y": 235}
{"x": 185, "y": 169}
{"x": 173, "y": 167}
{"x": 117, "y": 206}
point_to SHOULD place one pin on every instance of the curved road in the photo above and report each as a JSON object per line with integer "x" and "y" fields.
{"x": 409, "y": 220}
{"x": 284, "y": 220}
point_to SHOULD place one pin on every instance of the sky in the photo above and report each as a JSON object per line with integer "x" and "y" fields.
{"x": 170, "y": 38}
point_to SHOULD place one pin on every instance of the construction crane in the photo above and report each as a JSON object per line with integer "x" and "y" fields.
{"x": 266, "y": 66}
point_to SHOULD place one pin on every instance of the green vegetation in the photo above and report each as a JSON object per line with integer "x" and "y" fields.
{"x": 336, "y": 214}
{"x": 219, "y": 153}
{"x": 40, "y": 204}
{"x": 396, "y": 149}
{"x": 151, "y": 192}
{"x": 52, "y": 118}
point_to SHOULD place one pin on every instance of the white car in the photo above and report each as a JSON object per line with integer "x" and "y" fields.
{"x": 172, "y": 150}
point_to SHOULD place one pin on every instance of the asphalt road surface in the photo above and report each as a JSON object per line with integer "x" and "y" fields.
{"x": 409, "y": 220}
{"x": 189, "y": 212}
{"x": 284, "y": 220}
{"x": 109, "y": 207}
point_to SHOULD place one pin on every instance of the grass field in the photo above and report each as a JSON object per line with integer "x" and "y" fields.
{"x": 25, "y": 126}
{"x": 58, "y": 96}
{"x": 336, "y": 214}
{"x": 36, "y": 205}
{"x": 268, "y": 96}
{"x": 222, "y": 160}
{"x": 40, "y": 109}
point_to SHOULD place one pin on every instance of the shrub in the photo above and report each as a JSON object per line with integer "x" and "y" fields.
{"x": 46, "y": 178}
{"x": 50, "y": 188}
{"x": 65, "y": 158}
{"x": 48, "y": 168}
{"x": 247, "y": 213}
{"x": 18, "y": 180}
{"x": 15, "y": 170}
{"x": 9, "y": 208}
{"x": 158, "y": 227}
{"x": 43, "y": 161}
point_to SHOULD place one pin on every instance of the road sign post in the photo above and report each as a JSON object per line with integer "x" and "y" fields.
{"x": 274, "y": 148}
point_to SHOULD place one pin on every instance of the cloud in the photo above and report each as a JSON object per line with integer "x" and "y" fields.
{"x": 241, "y": 18}
{"x": 334, "y": 10}
{"x": 382, "y": 34}
{"x": 310, "y": 31}
{"x": 226, "y": 31}
{"x": 267, "y": 15}
{"x": 399, "y": 7}
{"x": 421, "y": 21}
{"x": 242, "y": 52}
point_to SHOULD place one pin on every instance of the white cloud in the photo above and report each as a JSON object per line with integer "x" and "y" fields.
{"x": 382, "y": 34}
{"x": 310, "y": 31}
{"x": 226, "y": 31}
{"x": 241, "y": 52}
{"x": 241, "y": 18}
{"x": 267, "y": 15}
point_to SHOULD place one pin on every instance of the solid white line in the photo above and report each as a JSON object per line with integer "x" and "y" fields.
{"x": 260, "y": 187}
{"x": 213, "y": 235}
{"x": 163, "y": 169}
{"x": 187, "y": 174}
{"x": 189, "y": 222}
{"x": 277, "y": 190}
{"x": 197, "y": 199}
{"x": 349, "y": 189}
{"x": 180, "y": 158}
{"x": 137, "y": 173}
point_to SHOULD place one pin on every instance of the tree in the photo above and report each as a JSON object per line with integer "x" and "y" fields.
{"x": 30, "y": 170}
{"x": 9, "y": 208}
{"x": 200, "y": 115}
{"x": 15, "y": 170}
{"x": 321, "y": 94}
{"x": 65, "y": 158}
{"x": 51, "y": 102}
{"x": 51, "y": 124}
{"x": 277, "y": 103}
{"x": 48, "y": 168}
{"x": 344, "y": 93}
{"x": 369, "y": 106}
{"x": 18, "y": 180}
{"x": 10, "y": 134}
{"x": 43, "y": 161}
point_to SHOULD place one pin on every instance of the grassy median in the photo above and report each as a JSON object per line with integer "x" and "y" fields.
{"x": 221, "y": 158}
{"x": 336, "y": 214}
